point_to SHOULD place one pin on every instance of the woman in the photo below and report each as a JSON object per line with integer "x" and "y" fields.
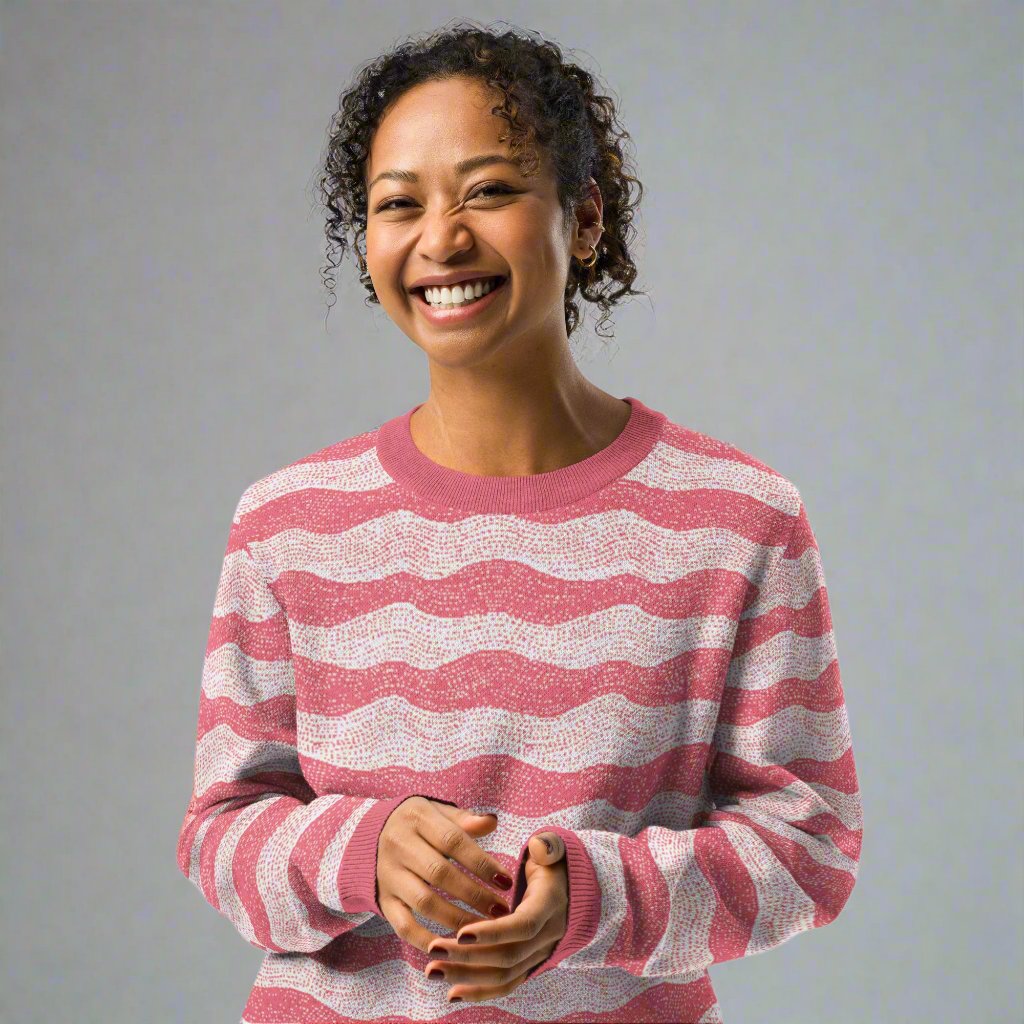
{"x": 529, "y": 662}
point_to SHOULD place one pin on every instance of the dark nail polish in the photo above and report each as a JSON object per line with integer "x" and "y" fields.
{"x": 435, "y": 972}
{"x": 547, "y": 844}
{"x": 455, "y": 999}
{"x": 497, "y": 910}
{"x": 502, "y": 881}
{"x": 438, "y": 954}
{"x": 468, "y": 937}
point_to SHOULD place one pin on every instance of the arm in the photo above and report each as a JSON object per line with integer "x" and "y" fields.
{"x": 779, "y": 852}
{"x": 291, "y": 870}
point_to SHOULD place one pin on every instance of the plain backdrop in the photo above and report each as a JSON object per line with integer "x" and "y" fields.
{"x": 831, "y": 243}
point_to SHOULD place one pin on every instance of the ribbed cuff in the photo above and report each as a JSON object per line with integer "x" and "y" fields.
{"x": 584, "y": 896}
{"x": 357, "y": 873}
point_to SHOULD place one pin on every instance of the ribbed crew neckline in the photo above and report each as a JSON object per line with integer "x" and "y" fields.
{"x": 406, "y": 464}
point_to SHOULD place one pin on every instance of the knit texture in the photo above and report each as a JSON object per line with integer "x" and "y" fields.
{"x": 634, "y": 651}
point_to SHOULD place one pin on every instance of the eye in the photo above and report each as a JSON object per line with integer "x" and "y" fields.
{"x": 495, "y": 187}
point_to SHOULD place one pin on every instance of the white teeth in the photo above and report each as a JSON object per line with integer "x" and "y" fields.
{"x": 459, "y": 295}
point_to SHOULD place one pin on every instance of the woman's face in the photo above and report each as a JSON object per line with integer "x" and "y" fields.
{"x": 447, "y": 222}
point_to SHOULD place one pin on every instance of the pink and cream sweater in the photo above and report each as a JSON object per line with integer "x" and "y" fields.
{"x": 634, "y": 651}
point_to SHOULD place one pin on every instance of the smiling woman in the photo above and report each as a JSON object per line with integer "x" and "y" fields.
{"x": 542, "y": 134}
{"x": 529, "y": 663}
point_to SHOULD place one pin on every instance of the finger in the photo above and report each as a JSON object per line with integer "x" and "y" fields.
{"x": 412, "y": 891}
{"x": 477, "y": 974}
{"x": 525, "y": 922}
{"x": 444, "y": 832}
{"x": 463, "y": 963}
{"x": 478, "y": 993}
{"x": 480, "y": 824}
{"x": 426, "y": 867}
{"x": 406, "y": 927}
{"x": 546, "y": 847}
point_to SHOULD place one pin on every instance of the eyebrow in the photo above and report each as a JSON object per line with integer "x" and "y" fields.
{"x": 461, "y": 168}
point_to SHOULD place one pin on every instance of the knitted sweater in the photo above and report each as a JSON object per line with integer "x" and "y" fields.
{"x": 634, "y": 651}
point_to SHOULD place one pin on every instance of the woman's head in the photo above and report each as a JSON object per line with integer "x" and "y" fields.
{"x": 532, "y": 218}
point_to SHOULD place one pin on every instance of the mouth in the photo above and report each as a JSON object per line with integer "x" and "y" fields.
{"x": 456, "y": 314}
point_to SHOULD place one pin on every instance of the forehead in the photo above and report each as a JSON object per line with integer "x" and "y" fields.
{"x": 433, "y": 125}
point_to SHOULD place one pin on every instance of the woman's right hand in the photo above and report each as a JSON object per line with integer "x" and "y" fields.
{"x": 412, "y": 855}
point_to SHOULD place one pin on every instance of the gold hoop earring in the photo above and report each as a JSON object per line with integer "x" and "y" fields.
{"x": 591, "y": 260}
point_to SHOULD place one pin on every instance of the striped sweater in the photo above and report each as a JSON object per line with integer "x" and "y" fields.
{"x": 634, "y": 651}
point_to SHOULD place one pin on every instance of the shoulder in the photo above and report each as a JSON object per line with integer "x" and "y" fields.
{"x": 347, "y": 465}
{"x": 687, "y": 459}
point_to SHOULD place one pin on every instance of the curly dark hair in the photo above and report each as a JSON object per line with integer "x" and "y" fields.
{"x": 548, "y": 101}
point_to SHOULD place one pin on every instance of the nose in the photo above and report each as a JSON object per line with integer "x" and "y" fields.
{"x": 444, "y": 237}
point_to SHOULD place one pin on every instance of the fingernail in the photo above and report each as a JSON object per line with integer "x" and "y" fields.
{"x": 455, "y": 999}
{"x": 497, "y": 910}
{"x": 435, "y": 972}
{"x": 502, "y": 881}
{"x": 468, "y": 937}
{"x": 547, "y": 843}
{"x": 440, "y": 953}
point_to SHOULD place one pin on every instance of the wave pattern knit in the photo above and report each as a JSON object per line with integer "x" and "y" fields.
{"x": 635, "y": 651}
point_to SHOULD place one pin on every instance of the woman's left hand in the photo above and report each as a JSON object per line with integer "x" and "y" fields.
{"x": 507, "y": 947}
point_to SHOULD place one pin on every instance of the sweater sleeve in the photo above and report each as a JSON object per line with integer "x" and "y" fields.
{"x": 778, "y": 854}
{"x": 291, "y": 870}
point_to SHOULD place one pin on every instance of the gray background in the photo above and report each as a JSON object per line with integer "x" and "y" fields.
{"x": 832, "y": 246}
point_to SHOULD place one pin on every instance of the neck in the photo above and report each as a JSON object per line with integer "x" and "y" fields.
{"x": 510, "y": 430}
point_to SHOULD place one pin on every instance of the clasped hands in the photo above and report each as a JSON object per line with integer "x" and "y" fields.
{"x": 490, "y": 958}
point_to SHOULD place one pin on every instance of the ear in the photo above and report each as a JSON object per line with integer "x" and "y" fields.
{"x": 589, "y": 217}
{"x": 595, "y": 195}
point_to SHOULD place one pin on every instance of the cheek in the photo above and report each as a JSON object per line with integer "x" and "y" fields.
{"x": 552, "y": 248}
{"x": 540, "y": 254}
{"x": 379, "y": 251}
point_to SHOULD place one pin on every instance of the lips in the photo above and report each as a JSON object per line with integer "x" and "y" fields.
{"x": 453, "y": 315}
{"x": 498, "y": 280}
